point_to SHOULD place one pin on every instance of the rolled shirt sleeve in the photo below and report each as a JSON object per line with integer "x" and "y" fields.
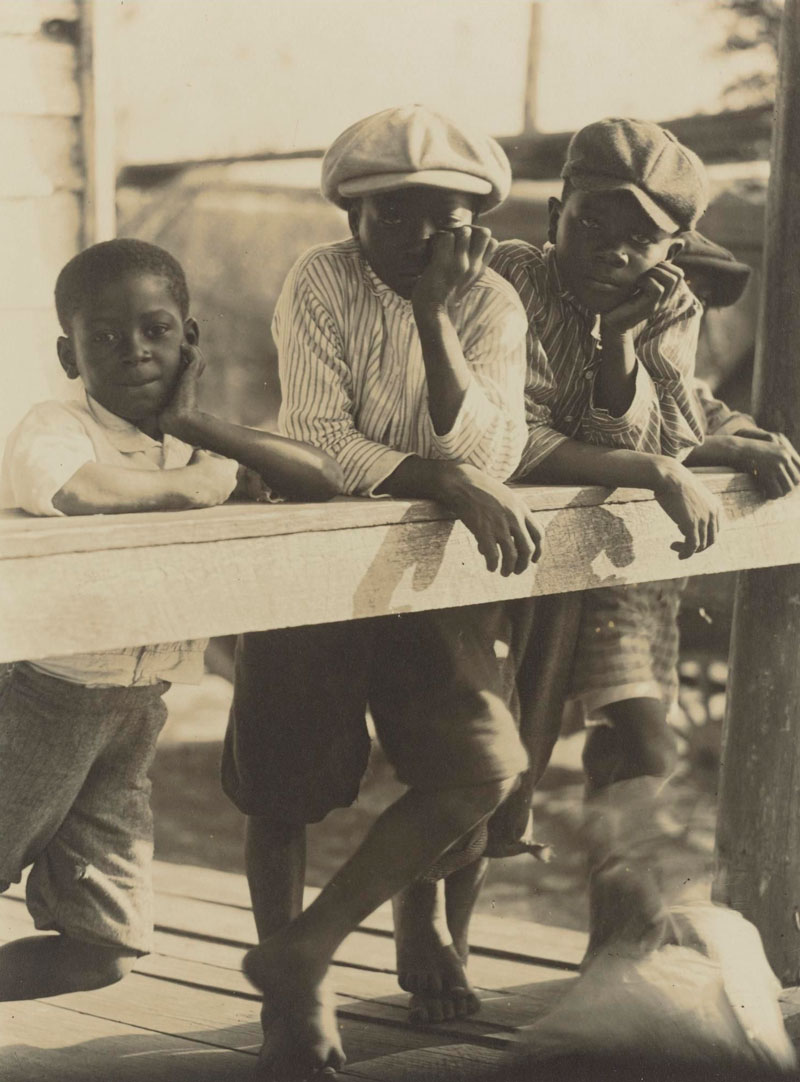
{"x": 489, "y": 431}
{"x": 664, "y": 416}
{"x": 43, "y": 452}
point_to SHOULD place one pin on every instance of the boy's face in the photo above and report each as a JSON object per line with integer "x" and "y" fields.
{"x": 395, "y": 228}
{"x": 125, "y": 344}
{"x": 604, "y": 244}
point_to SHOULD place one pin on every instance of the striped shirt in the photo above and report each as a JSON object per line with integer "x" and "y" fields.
{"x": 564, "y": 354}
{"x": 353, "y": 376}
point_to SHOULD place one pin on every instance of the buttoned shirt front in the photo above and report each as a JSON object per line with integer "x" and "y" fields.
{"x": 353, "y": 375}
{"x": 52, "y": 442}
{"x": 564, "y": 354}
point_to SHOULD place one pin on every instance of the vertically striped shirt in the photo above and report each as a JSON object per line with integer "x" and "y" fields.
{"x": 353, "y": 377}
{"x": 564, "y": 354}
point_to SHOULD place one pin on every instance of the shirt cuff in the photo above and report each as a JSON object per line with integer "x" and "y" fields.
{"x": 637, "y": 414}
{"x": 381, "y": 467}
{"x": 542, "y": 441}
{"x": 38, "y": 499}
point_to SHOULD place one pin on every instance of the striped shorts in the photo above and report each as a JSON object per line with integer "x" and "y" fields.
{"x": 627, "y": 645}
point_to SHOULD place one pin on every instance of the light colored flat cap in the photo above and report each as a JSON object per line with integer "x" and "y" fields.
{"x": 414, "y": 146}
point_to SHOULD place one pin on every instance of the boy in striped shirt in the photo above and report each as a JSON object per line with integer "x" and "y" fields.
{"x": 611, "y": 399}
{"x": 403, "y": 356}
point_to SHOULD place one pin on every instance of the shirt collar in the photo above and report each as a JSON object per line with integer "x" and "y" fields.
{"x": 558, "y": 287}
{"x": 127, "y": 438}
{"x": 120, "y": 433}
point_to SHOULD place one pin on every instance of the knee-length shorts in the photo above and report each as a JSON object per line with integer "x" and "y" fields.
{"x": 75, "y": 803}
{"x": 627, "y": 645}
{"x": 438, "y": 685}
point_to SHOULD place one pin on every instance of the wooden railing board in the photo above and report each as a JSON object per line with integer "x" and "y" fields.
{"x": 160, "y": 578}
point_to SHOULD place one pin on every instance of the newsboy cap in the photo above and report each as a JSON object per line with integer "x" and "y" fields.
{"x": 414, "y": 146}
{"x": 668, "y": 180}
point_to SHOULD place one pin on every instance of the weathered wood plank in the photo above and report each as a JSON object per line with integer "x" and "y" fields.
{"x": 48, "y": 1043}
{"x": 37, "y": 77}
{"x": 206, "y": 947}
{"x": 25, "y": 535}
{"x": 173, "y": 591}
{"x": 491, "y": 934}
{"x": 40, "y": 156}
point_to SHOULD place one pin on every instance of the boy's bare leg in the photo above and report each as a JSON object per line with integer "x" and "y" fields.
{"x": 639, "y": 743}
{"x": 623, "y": 767}
{"x": 50, "y": 965}
{"x": 275, "y": 861}
{"x": 431, "y": 928}
{"x": 290, "y": 967}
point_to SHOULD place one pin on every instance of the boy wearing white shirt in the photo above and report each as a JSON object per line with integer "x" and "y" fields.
{"x": 78, "y": 733}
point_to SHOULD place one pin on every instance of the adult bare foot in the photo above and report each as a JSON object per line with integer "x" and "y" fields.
{"x": 428, "y": 963}
{"x": 301, "y": 1037}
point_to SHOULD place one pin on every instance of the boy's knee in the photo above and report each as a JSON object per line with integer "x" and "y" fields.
{"x": 646, "y": 742}
{"x": 468, "y": 805}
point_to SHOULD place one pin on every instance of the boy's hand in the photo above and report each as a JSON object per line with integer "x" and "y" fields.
{"x": 251, "y": 486}
{"x": 495, "y": 516}
{"x": 212, "y": 478}
{"x": 184, "y": 396}
{"x": 771, "y": 458}
{"x": 654, "y": 291}
{"x": 458, "y": 258}
{"x": 692, "y": 507}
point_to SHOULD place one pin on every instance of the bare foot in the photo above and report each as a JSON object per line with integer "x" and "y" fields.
{"x": 428, "y": 964}
{"x": 301, "y": 1038}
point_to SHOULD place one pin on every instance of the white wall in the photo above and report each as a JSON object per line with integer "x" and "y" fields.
{"x": 40, "y": 196}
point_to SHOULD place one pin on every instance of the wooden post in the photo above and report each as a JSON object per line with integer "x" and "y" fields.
{"x": 98, "y": 120}
{"x": 758, "y": 828}
{"x": 531, "y": 105}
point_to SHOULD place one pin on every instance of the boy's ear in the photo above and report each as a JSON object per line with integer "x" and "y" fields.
{"x": 554, "y": 208}
{"x": 354, "y": 216}
{"x": 66, "y": 355}
{"x": 675, "y": 246}
{"x": 191, "y": 331}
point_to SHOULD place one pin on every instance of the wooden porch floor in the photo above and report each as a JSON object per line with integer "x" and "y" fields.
{"x": 187, "y": 1013}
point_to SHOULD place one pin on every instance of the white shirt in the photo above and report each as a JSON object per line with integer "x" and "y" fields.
{"x": 48, "y": 447}
{"x": 353, "y": 376}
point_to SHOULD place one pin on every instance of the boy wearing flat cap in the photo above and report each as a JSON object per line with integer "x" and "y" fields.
{"x": 611, "y": 399}
{"x": 404, "y": 357}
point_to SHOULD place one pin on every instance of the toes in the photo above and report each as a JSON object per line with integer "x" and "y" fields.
{"x": 418, "y": 1013}
{"x": 425, "y": 1010}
